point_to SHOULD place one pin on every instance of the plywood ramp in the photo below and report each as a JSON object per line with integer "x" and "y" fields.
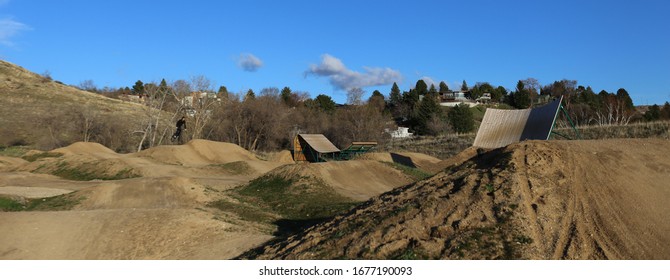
{"x": 500, "y": 128}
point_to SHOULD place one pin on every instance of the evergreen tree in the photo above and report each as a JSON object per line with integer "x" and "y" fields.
{"x": 163, "y": 86}
{"x": 432, "y": 91}
{"x": 461, "y": 118}
{"x": 521, "y": 98}
{"x": 250, "y": 95}
{"x": 622, "y": 96}
{"x": 421, "y": 88}
{"x": 443, "y": 87}
{"x": 395, "y": 98}
{"x": 223, "y": 92}
{"x": 286, "y": 96}
{"x": 325, "y": 103}
{"x": 499, "y": 94}
{"x": 138, "y": 88}
{"x": 653, "y": 114}
{"x": 464, "y": 86}
{"x": 427, "y": 110}
{"x": 377, "y": 101}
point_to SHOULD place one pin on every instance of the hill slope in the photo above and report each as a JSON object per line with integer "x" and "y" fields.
{"x": 38, "y": 111}
{"x": 531, "y": 200}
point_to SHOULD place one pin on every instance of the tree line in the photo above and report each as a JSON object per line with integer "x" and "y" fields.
{"x": 269, "y": 119}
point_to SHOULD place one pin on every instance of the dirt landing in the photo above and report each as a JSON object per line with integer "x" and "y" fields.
{"x": 532, "y": 200}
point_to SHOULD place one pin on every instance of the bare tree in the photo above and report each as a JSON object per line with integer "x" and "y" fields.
{"x": 203, "y": 100}
{"x": 355, "y": 96}
{"x": 88, "y": 85}
{"x": 156, "y": 97}
{"x": 614, "y": 112}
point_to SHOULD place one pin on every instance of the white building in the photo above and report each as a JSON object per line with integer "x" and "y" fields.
{"x": 401, "y": 132}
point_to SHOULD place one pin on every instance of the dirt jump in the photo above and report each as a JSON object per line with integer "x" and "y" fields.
{"x": 153, "y": 204}
{"x": 157, "y": 213}
{"x": 532, "y": 200}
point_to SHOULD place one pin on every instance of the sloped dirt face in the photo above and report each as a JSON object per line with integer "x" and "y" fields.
{"x": 532, "y": 200}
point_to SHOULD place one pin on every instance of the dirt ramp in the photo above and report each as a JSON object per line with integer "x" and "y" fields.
{"x": 355, "y": 179}
{"x": 284, "y": 156}
{"x": 9, "y": 163}
{"x": 409, "y": 159}
{"x": 530, "y": 200}
{"x": 198, "y": 152}
{"x": 88, "y": 149}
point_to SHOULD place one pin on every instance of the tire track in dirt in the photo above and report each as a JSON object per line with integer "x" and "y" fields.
{"x": 568, "y": 227}
{"x": 520, "y": 159}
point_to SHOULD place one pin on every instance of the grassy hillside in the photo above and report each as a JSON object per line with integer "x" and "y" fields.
{"x": 39, "y": 112}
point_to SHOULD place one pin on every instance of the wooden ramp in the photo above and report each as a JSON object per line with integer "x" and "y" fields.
{"x": 500, "y": 128}
{"x": 313, "y": 148}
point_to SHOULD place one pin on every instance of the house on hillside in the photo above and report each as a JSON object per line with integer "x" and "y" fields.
{"x": 400, "y": 133}
{"x": 453, "y": 98}
{"x": 484, "y": 99}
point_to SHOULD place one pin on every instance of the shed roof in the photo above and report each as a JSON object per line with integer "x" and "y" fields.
{"x": 319, "y": 143}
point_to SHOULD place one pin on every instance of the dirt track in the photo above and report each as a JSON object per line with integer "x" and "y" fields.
{"x": 160, "y": 215}
{"x": 532, "y": 200}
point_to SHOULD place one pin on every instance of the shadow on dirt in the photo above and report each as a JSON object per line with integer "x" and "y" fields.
{"x": 400, "y": 159}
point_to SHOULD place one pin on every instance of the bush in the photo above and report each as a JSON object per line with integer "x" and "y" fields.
{"x": 461, "y": 119}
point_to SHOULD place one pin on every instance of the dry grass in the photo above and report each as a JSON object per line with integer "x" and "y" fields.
{"x": 659, "y": 129}
{"x": 446, "y": 146}
{"x": 46, "y": 114}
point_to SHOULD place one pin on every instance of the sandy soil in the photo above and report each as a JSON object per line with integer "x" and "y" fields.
{"x": 532, "y": 200}
{"x": 163, "y": 213}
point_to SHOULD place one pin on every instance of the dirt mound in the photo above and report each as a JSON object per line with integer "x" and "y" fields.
{"x": 171, "y": 234}
{"x": 87, "y": 148}
{"x": 87, "y": 161}
{"x": 415, "y": 160}
{"x": 7, "y": 163}
{"x": 198, "y": 152}
{"x": 355, "y": 179}
{"x": 531, "y": 200}
{"x": 284, "y": 156}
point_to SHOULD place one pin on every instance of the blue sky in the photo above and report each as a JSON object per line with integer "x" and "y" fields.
{"x": 325, "y": 47}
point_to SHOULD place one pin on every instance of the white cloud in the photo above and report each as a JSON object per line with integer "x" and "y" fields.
{"x": 10, "y": 28}
{"x": 342, "y": 78}
{"x": 248, "y": 62}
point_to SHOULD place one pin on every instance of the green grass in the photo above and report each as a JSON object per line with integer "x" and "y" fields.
{"x": 244, "y": 211}
{"x": 415, "y": 173}
{"x": 9, "y": 205}
{"x": 13, "y": 151}
{"x": 79, "y": 174}
{"x": 291, "y": 198}
{"x": 55, "y": 203}
{"x": 234, "y": 168}
{"x": 37, "y": 156}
